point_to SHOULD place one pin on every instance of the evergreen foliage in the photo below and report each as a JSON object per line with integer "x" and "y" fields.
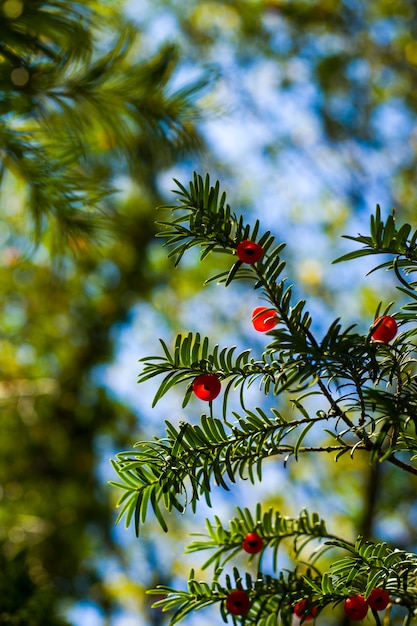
{"x": 366, "y": 391}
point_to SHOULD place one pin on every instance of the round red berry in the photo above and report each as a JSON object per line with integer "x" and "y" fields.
{"x": 264, "y": 318}
{"x": 301, "y": 608}
{"x": 378, "y": 599}
{"x": 237, "y": 602}
{"x": 252, "y": 543}
{"x": 356, "y": 608}
{"x": 249, "y": 251}
{"x": 385, "y": 328}
{"x": 206, "y": 387}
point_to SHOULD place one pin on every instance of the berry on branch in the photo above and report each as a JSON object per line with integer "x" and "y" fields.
{"x": 385, "y": 329}
{"x": 264, "y": 319}
{"x": 249, "y": 252}
{"x": 252, "y": 543}
{"x": 356, "y": 608}
{"x": 378, "y": 599}
{"x": 206, "y": 387}
{"x": 237, "y": 602}
{"x": 301, "y": 607}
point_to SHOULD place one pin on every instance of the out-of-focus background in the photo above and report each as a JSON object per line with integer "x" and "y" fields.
{"x": 306, "y": 113}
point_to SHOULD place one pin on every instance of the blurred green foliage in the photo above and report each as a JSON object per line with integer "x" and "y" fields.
{"x": 87, "y": 121}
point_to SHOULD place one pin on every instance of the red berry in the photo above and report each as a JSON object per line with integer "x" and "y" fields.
{"x": 386, "y": 328}
{"x": 206, "y": 387}
{"x": 264, "y": 318}
{"x": 237, "y": 602}
{"x": 252, "y": 543}
{"x": 356, "y": 608}
{"x": 301, "y": 607}
{"x": 378, "y": 599}
{"x": 249, "y": 251}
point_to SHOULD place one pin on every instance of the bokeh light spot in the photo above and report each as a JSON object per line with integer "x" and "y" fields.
{"x": 19, "y": 76}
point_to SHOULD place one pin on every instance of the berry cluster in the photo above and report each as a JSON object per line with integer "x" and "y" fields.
{"x": 249, "y": 252}
{"x": 356, "y": 607}
{"x": 384, "y": 329}
{"x": 264, "y": 318}
{"x": 252, "y": 543}
{"x": 206, "y": 387}
{"x": 238, "y": 602}
{"x": 301, "y": 609}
